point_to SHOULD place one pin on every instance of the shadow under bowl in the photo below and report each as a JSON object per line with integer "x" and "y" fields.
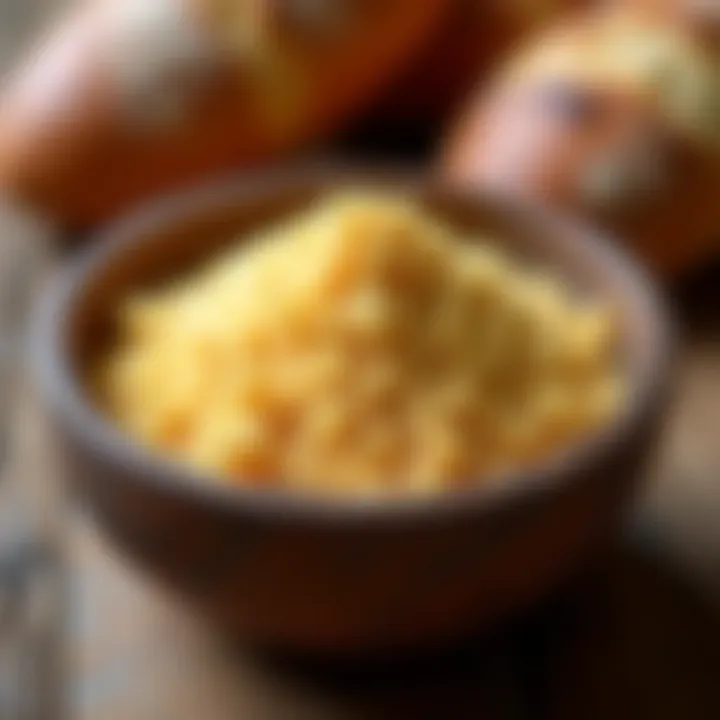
{"x": 322, "y": 575}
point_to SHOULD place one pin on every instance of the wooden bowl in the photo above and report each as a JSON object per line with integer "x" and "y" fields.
{"x": 320, "y": 575}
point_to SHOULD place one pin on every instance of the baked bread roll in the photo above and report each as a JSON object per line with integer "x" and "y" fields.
{"x": 470, "y": 41}
{"x": 615, "y": 114}
{"x": 132, "y": 97}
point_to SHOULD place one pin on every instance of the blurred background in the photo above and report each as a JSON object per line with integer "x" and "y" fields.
{"x": 21, "y": 21}
{"x": 638, "y": 636}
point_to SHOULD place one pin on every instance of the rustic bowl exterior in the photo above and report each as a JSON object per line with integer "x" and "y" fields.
{"x": 313, "y": 575}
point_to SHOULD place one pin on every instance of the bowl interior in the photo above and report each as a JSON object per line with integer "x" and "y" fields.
{"x": 176, "y": 235}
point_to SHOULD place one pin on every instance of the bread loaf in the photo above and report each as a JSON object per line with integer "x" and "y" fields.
{"x": 132, "y": 97}
{"x": 615, "y": 114}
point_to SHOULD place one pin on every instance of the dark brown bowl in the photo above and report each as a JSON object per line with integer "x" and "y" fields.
{"x": 335, "y": 576}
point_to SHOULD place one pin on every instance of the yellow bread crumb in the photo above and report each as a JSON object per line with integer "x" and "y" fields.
{"x": 364, "y": 347}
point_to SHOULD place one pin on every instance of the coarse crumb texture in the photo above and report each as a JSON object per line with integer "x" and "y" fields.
{"x": 362, "y": 348}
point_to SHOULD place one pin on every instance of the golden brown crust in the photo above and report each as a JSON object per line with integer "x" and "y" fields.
{"x": 599, "y": 135}
{"x": 130, "y": 98}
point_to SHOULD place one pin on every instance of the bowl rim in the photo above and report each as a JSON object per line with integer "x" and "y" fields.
{"x": 67, "y": 399}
